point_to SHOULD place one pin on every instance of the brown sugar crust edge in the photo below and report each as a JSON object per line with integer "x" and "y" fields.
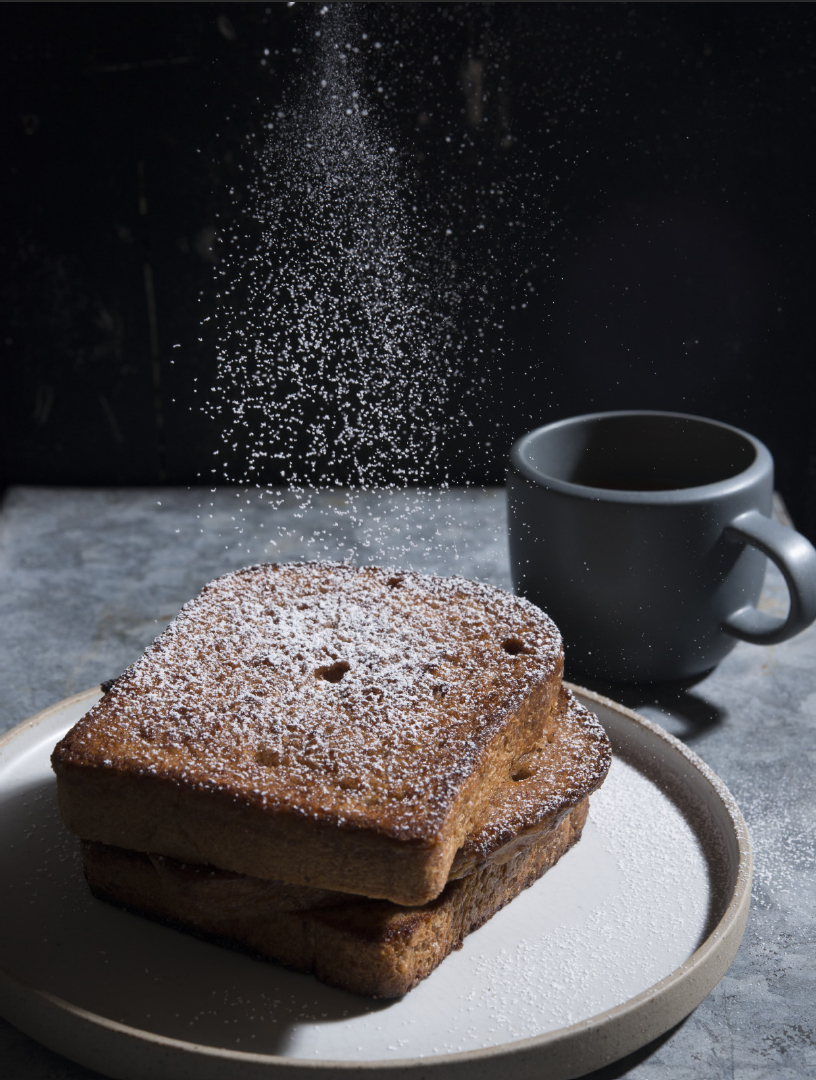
{"x": 116, "y": 792}
{"x": 370, "y": 947}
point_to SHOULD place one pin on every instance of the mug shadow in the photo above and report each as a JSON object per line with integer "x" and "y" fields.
{"x": 684, "y": 712}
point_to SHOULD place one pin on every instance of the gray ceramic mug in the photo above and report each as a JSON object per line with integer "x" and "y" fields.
{"x": 644, "y": 535}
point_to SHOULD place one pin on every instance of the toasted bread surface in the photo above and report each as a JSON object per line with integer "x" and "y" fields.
{"x": 568, "y": 762}
{"x": 317, "y": 723}
{"x": 547, "y": 782}
{"x": 370, "y": 947}
{"x": 374, "y": 946}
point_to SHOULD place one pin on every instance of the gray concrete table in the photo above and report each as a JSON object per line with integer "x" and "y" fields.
{"x": 89, "y": 577}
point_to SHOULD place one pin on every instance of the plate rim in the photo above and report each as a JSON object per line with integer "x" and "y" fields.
{"x": 675, "y": 996}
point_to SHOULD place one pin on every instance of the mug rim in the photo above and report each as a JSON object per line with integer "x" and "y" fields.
{"x": 719, "y": 488}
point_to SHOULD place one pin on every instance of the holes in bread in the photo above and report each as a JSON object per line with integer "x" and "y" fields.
{"x": 394, "y": 582}
{"x": 521, "y": 771}
{"x": 514, "y": 646}
{"x": 333, "y": 673}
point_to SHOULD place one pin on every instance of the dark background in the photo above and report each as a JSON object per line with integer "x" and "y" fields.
{"x": 648, "y": 168}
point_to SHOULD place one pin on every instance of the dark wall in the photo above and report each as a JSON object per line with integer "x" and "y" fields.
{"x": 644, "y": 173}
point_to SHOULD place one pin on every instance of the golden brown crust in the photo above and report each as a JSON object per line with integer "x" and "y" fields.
{"x": 316, "y": 723}
{"x": 370, "y": 947}
{"x": 545, "y": 783}
{"x": 565, "y": 765}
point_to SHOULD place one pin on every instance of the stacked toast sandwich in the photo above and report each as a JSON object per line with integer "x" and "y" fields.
{"x": 344, "y": 770}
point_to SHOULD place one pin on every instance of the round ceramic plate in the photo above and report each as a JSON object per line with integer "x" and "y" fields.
{"x": 611, "y": 948}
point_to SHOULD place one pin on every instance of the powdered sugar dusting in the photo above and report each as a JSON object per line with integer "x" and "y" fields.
{"x": 327, "y": 689}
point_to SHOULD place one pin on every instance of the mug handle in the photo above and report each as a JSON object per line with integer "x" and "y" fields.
{"x": 796, "y": 558}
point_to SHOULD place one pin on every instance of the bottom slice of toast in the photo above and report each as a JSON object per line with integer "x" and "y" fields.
{"x": 371, "y": 947}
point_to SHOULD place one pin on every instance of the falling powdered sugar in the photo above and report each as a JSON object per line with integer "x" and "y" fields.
{"x": 336, "y": 351}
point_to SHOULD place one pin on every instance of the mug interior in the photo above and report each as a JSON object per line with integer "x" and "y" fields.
{"x": 639, "y": 452}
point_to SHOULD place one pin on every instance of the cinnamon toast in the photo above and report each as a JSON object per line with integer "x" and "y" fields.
{"x": 376, "y": 947}
{"x": 316, "y": 723}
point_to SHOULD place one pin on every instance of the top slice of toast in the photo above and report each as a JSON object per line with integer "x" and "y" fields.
{"x": 316, "y": 723}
